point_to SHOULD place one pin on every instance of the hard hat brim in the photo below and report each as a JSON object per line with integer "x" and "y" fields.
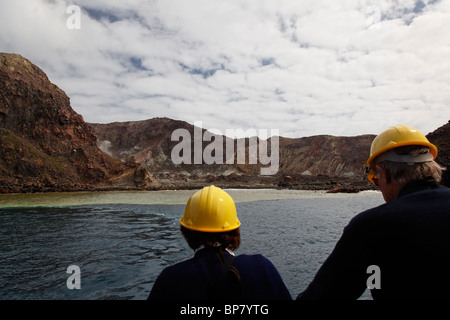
{"x": 211, "y": 230}
{"x": 433, "y": 149}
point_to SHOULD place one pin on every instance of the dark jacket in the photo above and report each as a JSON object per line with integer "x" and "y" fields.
{"x": 408, "y": 239}
{"x": 198, "y": 279}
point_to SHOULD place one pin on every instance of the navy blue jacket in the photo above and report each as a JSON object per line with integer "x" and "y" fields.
{"x": 196, "y": 278}
{"x": 407, "y": 238}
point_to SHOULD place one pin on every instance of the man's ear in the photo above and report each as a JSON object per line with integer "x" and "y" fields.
{"x": 383, "y": 174}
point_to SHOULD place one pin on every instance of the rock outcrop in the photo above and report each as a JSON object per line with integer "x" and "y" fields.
{"x": 441, "y": 138}
{"x": 318, "y": 162}
{"x": 44, "y": 144}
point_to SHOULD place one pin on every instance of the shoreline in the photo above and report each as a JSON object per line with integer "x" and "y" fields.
{"x": 27, "y": 190}
{"x": 140, "y": 197}
{"x": 315, "y": 183}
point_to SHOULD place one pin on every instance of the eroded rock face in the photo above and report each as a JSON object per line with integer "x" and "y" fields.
{"x": 310, "y": 160}
{"x": 317, "y": 162}
{"x": 45, "y": 144}
{"x": 441, "y": 138}
{"x": 326, "y": 155}
{"x": 149, "y": 142}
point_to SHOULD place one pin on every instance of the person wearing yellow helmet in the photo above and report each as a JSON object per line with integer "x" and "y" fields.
{"x": 401, "y": 249}
{"x": 401, "y": 154}
{"x": 210, "y": 226}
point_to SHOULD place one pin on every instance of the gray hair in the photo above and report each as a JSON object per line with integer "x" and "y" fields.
{"x": 404, "y": 172}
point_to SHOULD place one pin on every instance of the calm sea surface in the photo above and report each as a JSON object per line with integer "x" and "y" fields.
{"x": 121, "y": 241}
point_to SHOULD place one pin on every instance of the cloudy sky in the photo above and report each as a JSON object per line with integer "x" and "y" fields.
{"x": 304, "y": 67}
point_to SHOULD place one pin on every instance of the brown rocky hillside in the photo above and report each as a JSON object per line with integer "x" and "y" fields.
{"x": 312, "y": 162}
{"x": 44, "y": 144}
{"x": 441, "y": 138}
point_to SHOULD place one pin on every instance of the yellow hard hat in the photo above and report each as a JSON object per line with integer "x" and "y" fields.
{"x": 394, "y": 137}
{"x": 210, "y": 210}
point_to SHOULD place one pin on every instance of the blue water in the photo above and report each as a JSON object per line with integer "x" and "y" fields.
{"x": 121, "y": 248}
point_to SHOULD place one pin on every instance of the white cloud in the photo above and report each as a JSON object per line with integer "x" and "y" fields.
{"x": 305, "y": 68}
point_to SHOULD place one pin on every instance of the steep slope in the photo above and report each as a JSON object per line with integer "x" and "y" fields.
{"x": 325, "y": 155}
{"x": 441, "y": 138}
{"x": 44, "y": 144}
{"x": 318, "y": 162}
{"x": 307, "y": 161}
{"x": 149, "y": 143}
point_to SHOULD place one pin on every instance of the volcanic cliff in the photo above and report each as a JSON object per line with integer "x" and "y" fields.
{"x": 44, "y": 144}
{"x": 318, "y": 162}
{"x": 441, "y": 138}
